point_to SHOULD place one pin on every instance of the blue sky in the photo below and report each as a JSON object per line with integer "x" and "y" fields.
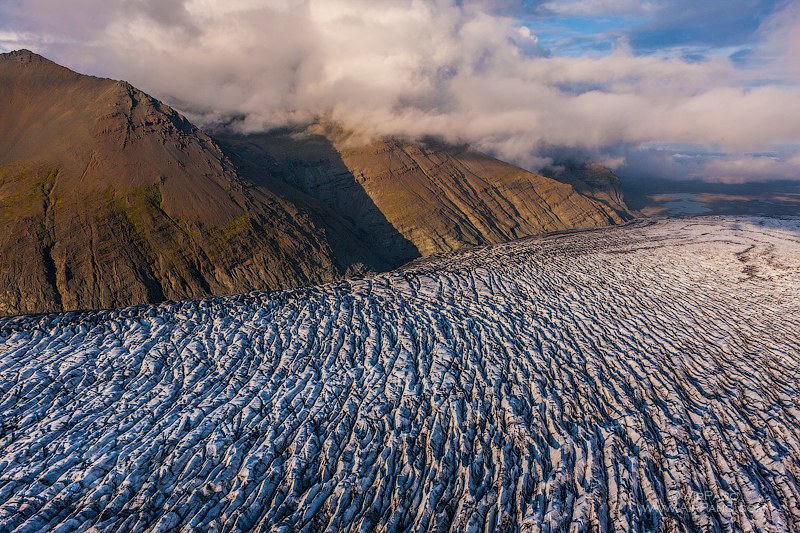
{"x": 704, "y": 27}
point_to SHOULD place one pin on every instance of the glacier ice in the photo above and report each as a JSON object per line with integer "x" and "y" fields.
{"x": 643, "y": 377}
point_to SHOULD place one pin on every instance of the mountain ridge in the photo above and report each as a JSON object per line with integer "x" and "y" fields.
{"x": 109, "y": 197}
{"x": 438, "y": 198}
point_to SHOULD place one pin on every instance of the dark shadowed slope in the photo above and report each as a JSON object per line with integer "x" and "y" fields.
{"x": 309, "y": 171}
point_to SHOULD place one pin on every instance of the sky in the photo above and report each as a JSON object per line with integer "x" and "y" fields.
{"x": 681, "y": 89}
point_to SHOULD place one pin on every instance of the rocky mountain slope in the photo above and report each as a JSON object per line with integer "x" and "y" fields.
{"x": 108, "y": 197}
{"x": 592, "y": 180}
{"x": 422, "y": 198}
{"x": 638, "y": 378}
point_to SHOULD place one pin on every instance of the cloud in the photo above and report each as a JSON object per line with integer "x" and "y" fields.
{"x": 781, "y": 45}
{"x": 465, "y": 71}
{"x": 743, "y": 169}
{"x": 590, "y": 8}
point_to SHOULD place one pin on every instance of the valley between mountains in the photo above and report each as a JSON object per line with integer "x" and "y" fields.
{"x": 641, "y": 378}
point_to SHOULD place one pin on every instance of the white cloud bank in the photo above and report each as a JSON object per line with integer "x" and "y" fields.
{"x": 423, "y": 67}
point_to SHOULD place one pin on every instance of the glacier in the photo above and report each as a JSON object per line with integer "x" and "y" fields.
{"x": 642, "y": 378}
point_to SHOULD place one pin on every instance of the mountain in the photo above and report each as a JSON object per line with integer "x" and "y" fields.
{"x": 592, "y": 180}
{"x": 635, "y": 378}
{"x": 415, "y": 199}
{"x": 109, "y": 197}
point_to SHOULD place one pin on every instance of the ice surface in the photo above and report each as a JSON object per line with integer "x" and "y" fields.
{"x": 643, "y": 377}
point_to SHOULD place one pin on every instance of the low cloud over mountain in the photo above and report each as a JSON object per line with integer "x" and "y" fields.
{"x": 465, "y": 71}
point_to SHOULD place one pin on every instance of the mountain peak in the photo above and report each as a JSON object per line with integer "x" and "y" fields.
{"x": 25, "y": 56}
{"x": 24, "y": 60}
